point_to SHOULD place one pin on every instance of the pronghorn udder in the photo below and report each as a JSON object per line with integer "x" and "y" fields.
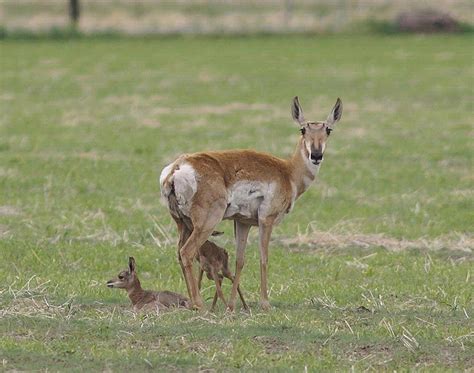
{"x": 249, "y": 199}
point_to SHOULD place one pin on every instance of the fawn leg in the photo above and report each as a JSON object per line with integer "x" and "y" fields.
{"x": 242, "y": 299}
{"x": 214, "y": 301}
{"x": 218, "y": 281}
{"x": 200, "y": 278}
{"x": 228, "y": 275}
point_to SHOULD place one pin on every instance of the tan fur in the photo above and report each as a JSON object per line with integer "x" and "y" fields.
{"x": 214, "y": 261}
{"x": 249, "y": 187}
{"x": 145, "y": 299}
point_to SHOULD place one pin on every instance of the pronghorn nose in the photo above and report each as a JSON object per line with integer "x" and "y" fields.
{"x": 109, "y": 284}
{"x": 316, "y": 158}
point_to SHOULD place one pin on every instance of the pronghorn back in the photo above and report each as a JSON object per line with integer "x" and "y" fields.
{"x": 245, "y": 178}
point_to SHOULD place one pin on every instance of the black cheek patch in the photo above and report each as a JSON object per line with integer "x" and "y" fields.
{"x": 303, "y": 130}
{"x": 328, "y": 130}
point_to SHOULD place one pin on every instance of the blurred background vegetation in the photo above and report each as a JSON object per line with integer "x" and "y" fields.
{"x": 142, "y": 17}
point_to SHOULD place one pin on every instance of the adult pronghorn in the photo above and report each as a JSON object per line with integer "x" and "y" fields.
{"x": 249, "y": 187}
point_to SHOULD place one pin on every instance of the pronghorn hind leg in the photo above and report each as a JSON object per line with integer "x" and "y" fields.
{"x": 204, "y": 221}
{"x": 184, "y": 234}
{"x": 187, "y": 254}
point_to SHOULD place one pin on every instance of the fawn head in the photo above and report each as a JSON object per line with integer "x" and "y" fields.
{"x": 126, "y": 278}
{"x": 315, "y": 134}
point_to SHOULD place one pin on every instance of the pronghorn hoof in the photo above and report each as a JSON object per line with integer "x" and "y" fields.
{"x": 197, "y": 307}
{"x": 265, "y": 305}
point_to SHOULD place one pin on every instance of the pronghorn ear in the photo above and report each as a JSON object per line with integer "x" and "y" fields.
{"x": 131, "y": 264}
{"x": 297, "y": 112}
{"x": 335, "y": 115}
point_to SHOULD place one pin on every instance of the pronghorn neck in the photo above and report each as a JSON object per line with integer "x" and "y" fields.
{"x": 136, "y": 292}
{"x": 303, "y": 170}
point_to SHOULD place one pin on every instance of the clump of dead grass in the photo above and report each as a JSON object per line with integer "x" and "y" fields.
{"x": 9, "y": 211}
{"x": 31, "y": 300}
{"x": 329, "y": 240}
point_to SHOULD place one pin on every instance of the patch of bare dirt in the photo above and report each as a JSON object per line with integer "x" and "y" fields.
{"x": 9, "y": 211}
{"x": 371, "y": 352}
{"x": 272, "y": 345}
{"x": 451, "y": 356}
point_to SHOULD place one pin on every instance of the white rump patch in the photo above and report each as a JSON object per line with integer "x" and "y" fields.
{"x": 185, "y": 186}
{"x": 165, "y": 188}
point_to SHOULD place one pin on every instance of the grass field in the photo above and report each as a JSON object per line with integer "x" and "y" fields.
{"x": 371, "y": 270}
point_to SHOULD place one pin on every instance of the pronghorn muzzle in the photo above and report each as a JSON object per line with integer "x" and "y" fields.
{"x": 316, "y": 157}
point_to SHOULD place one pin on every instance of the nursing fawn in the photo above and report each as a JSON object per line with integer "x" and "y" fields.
{"x": 214, "y": 260}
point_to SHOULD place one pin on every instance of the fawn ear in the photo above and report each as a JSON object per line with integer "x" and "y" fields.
{"x": 335, "y": 115}
{"x": 131, "y": 264}
{"x": 297, "y": 112}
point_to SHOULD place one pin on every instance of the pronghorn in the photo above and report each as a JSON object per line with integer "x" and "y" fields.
{"x": 145, "y": 299}
{"x": 248, "y": 187}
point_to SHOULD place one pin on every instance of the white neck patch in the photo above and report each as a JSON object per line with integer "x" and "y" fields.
{"x": 313, "y": 168}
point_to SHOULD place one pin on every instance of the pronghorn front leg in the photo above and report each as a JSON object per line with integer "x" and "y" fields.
{"x": 241, "y": 232}
{"x": 265, "y": 230}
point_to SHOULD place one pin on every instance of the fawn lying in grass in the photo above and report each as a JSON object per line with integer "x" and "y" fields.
{"x": 214, "y": 260}
{"x": 145, "y": 299}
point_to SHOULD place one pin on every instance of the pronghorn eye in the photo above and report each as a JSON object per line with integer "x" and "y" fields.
{"x": 121, "y": 277}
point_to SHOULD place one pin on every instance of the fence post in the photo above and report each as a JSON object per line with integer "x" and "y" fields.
{"x": 74, "y": 12}
{"x": 287, "y": 10}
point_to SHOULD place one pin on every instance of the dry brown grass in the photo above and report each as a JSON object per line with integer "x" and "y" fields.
{"x": 214, "y": 16}
{"x": 331, "y": 240}
{"x": 9, "y": 211}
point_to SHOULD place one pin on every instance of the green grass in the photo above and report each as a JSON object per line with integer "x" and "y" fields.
{"x": 372, "y": 269}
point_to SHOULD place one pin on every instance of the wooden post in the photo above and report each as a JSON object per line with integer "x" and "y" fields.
{"x": 74, "y": 12}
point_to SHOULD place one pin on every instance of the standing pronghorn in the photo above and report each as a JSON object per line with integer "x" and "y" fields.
{"x": 249, "y": 187}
